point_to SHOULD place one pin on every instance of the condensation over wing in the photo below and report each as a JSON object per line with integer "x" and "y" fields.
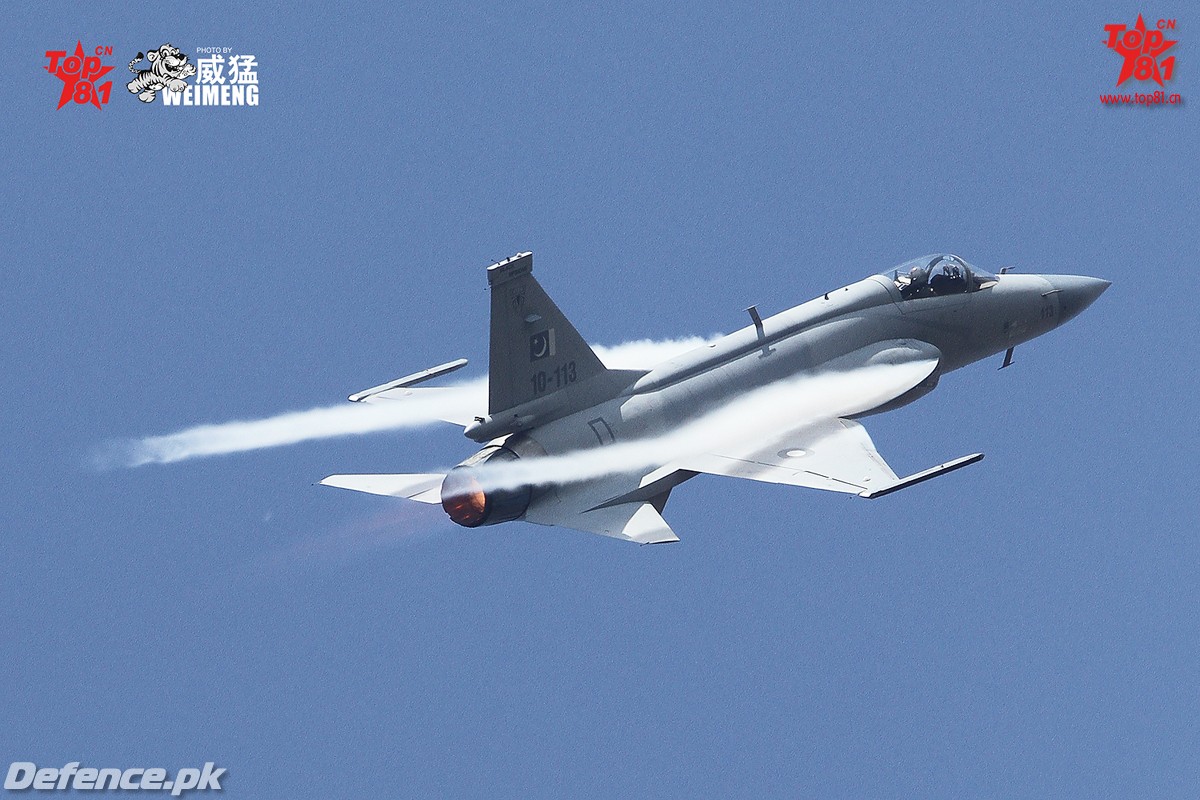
{"x": 829, "y": 451}
{"x": 836, "y": 455}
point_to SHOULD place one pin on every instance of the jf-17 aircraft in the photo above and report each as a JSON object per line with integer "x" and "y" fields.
{"x": 549, "y": 395}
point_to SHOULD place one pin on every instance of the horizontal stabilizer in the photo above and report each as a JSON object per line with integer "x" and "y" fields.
{"x": 455, "y": 404}
{"x": 424, "y": 488}
{"x": 411, "y": 380}
{"x": 924, "y": 475}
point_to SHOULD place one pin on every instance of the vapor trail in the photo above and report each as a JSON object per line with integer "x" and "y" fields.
{"x": 299, "y": 426}
{"x": 786, "y": 407}
{"x": 460, "y": 401}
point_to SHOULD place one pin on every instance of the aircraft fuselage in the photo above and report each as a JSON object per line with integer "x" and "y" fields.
{"x": 963, "y": 327}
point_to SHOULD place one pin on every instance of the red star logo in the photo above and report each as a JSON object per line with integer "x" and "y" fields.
{"x": 1141, "y": 49}
{"x": 89, "y": 71}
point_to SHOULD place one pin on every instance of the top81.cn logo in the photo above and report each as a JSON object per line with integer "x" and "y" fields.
{"x": 1141, "y": 49}
{"x": 80, "y": 74}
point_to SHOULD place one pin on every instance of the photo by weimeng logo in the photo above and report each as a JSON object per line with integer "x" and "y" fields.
{"x": 224, "y": 78}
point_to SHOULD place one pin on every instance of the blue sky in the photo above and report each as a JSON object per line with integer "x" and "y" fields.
{"x": 1025, "y": 627}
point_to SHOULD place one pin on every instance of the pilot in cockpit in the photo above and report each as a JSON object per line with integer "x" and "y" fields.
{"x": 938, "y": 276}
{"x": 918, "y": 283}
{"x": 948, "y": 277}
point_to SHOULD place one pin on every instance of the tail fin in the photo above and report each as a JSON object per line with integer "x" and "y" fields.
{"x": 535, "y": 350}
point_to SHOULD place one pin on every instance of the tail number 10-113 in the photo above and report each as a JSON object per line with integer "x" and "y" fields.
{"x": 555, "y": 379}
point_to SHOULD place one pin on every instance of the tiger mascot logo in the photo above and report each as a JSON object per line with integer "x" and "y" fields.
{"x": 169, "y": 66}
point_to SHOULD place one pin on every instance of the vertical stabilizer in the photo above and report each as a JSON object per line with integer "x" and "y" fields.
{"x": 535, "y": 350}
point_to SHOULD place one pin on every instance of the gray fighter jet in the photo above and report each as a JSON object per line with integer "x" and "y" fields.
{"x": 550, "y": 395}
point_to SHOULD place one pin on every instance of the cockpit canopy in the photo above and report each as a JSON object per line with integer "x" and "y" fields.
{"x": 938, "y": 275}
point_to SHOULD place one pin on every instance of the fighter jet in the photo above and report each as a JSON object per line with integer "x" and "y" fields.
{"x": 549, "y": 395}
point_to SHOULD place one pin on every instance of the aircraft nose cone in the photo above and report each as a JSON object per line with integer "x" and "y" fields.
{"x": 1075, "y": 293}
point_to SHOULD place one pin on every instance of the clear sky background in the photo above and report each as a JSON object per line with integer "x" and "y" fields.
{"x": 1023, "y": 628}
